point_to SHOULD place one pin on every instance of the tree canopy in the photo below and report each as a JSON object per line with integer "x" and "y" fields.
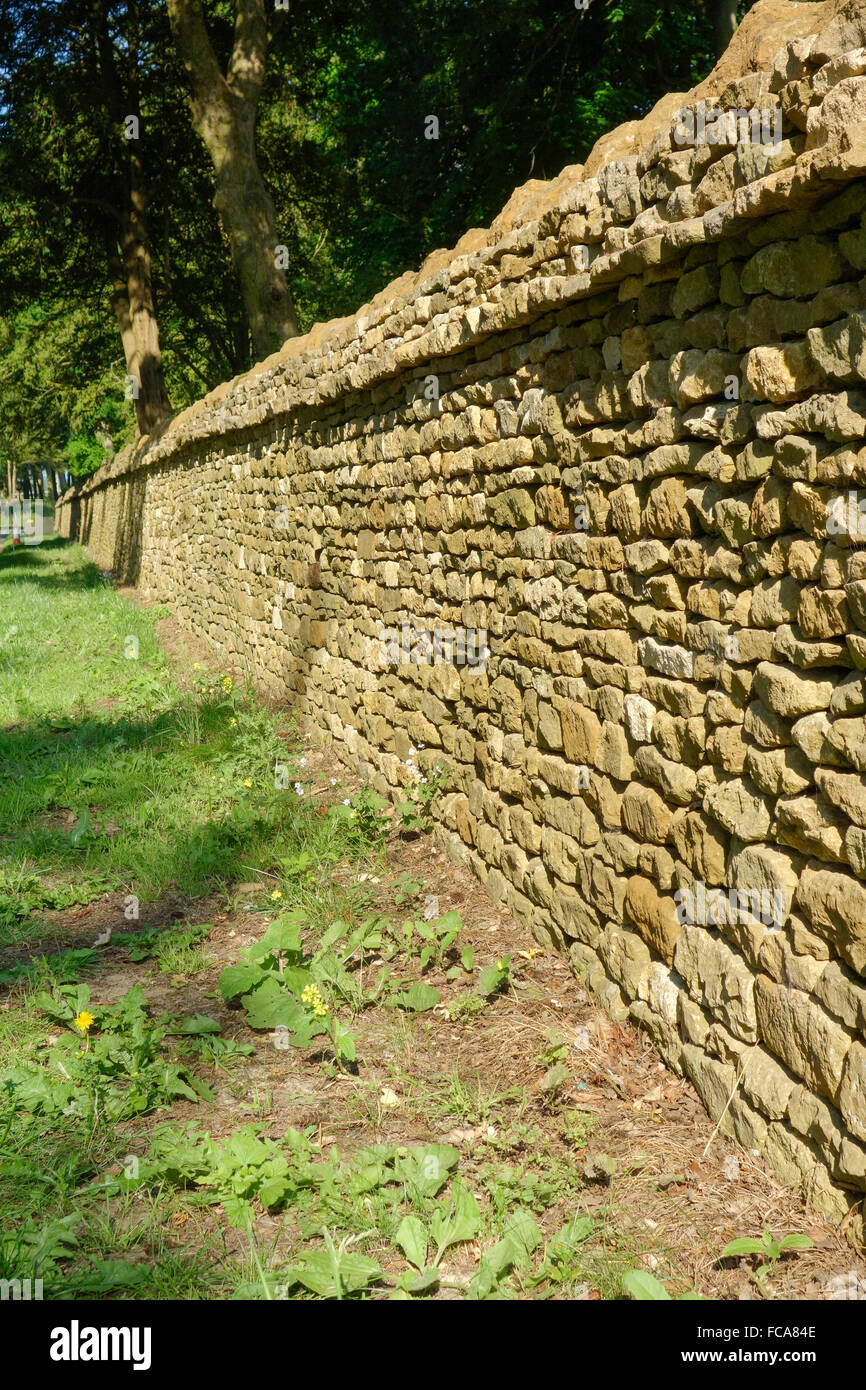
{"x": 519, "y": 88}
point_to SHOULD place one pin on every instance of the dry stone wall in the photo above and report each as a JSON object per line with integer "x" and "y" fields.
{"x": 615, "y": 445}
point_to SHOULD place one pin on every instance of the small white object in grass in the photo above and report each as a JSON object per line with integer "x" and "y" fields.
{"x": 431, "y": 907}
{"x": 299, "y": 789}
{"x": 582, "y": 1039}
{"x": 731, "y": 1168}
{"x": 333, "y": 781}
{"x": 103, "y": 938}
{"x": 303, "y": 762}
{"x": 649, "y": 1222}
{"x": 389, "y": 1098}
{"x": 491, "y": 1131}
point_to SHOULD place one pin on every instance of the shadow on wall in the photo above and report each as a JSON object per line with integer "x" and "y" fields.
{"x": 83, "y": 515}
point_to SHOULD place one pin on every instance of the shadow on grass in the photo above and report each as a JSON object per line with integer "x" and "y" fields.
{"x": 38, "y": 564}
{"x": 129, "y": 827}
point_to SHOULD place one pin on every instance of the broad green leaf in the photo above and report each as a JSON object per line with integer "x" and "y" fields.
{"x": 283, "y": 934}
{"x": 744, "y": 1245}
{"x": 491, "y": 979}
{"x": 644, "y": 1286}
{"x": 335, "y": 932}
{"x": 521, "y": 1237}
{"x": 424, "y": 1281}
{"x": 461, "y": 1223}
{"x": 316, "y": 1272}
{"x": 425, "y": 1169}
{"x": 418, "y": 998}
{"x": 411, "y": 1237}
{"x": 238, "y": 979}
{"x": 195, "y": 1025}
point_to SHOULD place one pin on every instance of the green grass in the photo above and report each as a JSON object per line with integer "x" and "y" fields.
{"x": 115, "y": 777}
{"x": 120, "y": 779}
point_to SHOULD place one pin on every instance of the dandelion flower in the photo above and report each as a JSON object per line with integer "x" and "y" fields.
{"x": 84, "y": 1021}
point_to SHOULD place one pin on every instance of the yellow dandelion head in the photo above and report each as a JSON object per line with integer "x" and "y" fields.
{"x": 84, "y": 1021}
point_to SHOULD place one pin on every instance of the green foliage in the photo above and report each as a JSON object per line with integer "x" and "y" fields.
{"x": 117, "y": 1072}
{"x": 644, "y": 1287}
{"x": 768, "y": 1247}
{"x": 520, "y": 90}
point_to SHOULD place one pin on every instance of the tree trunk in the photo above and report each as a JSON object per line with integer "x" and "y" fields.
{"x": 132, "y": 299}
{"x": 224, "y": 115}
{"x": 724, "y": 16}
{"x": 125, "y": 227}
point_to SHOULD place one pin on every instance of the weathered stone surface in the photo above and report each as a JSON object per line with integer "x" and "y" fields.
{"x": 835, "y": 904}
{"x": 717, "y": 977}
{"x": 742, "y": 811}
{"x": 654, "y": 915}
{"x": 799, "y": 1032}
{"x": 645, "y": 815}
{"x": 790, "y": 693}
{"x": 641, "y": 476}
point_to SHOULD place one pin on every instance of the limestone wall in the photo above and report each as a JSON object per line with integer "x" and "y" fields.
{"x": 621, "y": 434}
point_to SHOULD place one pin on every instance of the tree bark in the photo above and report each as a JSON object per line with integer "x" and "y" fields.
{"x": 125, "y": 232}
{"x": 132, "y": 299}
{"x": 724, "y": 16}
{"x": 224, "y": 116}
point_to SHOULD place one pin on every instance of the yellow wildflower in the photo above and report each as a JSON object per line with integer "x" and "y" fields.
{"x": 84, "y": 1021}
{"x": 227, "y": 683}
{"x": 276, "y": 894}
{"x": 248, "y": 781}
{"x": 313, "y": 999}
